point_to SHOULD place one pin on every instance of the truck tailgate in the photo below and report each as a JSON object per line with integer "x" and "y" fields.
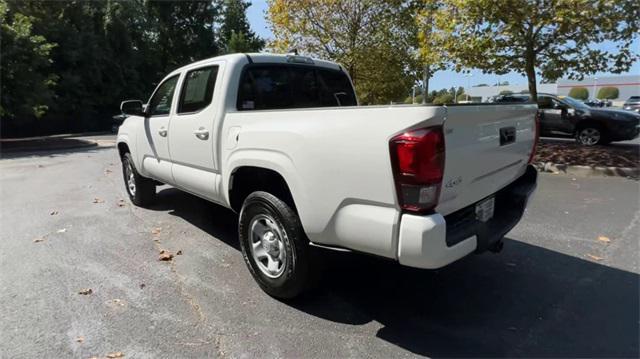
{"x": 487, "y": 147}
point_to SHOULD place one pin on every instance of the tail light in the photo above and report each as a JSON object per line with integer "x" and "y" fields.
{"x": 417, "y": 159}
{"x": 536, "y": 137}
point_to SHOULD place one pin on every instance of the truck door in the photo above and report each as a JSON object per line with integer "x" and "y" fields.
{"x": 154, "y": 144}
{"x": 193, "y": 131}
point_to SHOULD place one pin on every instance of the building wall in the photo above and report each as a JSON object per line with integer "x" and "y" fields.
{"x": 486, "y": 92}
{"x": 628, "y": 85}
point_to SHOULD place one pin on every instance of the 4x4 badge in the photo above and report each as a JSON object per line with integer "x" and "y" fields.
{"x": 453, "y": 182}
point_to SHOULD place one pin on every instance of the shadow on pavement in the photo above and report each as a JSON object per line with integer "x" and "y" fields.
{"x": 527, "y": 301}
{"x": 52, "y": 151}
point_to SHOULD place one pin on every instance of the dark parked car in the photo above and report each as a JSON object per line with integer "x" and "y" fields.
{"x": 568, "y": 117}
{"x": 632, "y": 104}
{"x": 598, "y": 103}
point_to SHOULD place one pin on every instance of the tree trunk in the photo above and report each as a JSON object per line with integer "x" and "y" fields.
{"x": 530, "y": 70}
{"x": 425, "y": 84}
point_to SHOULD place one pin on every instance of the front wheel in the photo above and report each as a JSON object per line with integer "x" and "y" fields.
{"x": 141, "y": 190}
{"x": 274, "y": 245}
{"x": 590, "y": 136}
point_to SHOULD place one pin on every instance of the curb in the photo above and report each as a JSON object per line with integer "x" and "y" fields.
{"x": 45, "y": 148}
{"x": 588, "y": 171}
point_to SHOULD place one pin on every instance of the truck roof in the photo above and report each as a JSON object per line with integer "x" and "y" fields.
{"x": 263, "y": 57}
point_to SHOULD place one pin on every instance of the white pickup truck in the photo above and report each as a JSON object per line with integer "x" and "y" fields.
{"x": 281, "y": 140}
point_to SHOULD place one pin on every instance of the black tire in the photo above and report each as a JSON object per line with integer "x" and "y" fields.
{"x": 590, "y": 135}
{"x": 144, "y": 191}
{"x": 295, "y": 276}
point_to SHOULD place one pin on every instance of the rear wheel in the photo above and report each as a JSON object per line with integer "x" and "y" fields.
{"x": 590, "y": 136}
{"x": 274, "y": 245}
{"x": 141, "y": 190}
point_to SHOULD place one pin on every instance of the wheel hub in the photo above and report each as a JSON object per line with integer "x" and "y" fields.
{"x": 267, "y": 245}
{"x": 270, "y": 244}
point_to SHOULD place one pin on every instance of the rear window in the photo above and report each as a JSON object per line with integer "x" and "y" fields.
{"x": 270, "y": 87}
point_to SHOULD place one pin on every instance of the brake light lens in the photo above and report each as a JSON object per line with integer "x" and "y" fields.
{"x": 417, "y": 159}
{"x": 536, "y": 137}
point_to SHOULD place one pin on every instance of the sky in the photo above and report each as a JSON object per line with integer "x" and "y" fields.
{"x": 441, "y": 79}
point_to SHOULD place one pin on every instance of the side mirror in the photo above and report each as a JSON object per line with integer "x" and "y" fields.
{"x": 132, "y": 108}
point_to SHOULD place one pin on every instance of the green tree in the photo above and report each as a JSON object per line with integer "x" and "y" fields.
{"x": 368, "y": 37}
{"x": 26, "y": 79}
{"x": 506, "y": 92}
{"x": 443, "y": 99}
{"x": 183, "y": 31}
{"x": 235, "y": 32}
{"x": 431, "y": 52}
{"x": 581, "y": 93}
{"x": 550, "y": 38}
{"x": 608, "y": 93}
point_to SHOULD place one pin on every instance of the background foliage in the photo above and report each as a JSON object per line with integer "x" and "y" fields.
{"x": 608, "y": 93}
{"x": 581, "y": 93}
{"x": 66, "y": 65}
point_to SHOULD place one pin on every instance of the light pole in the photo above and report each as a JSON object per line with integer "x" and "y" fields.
{"x": 595, "y": 86}
{"x": 468, "y": 76}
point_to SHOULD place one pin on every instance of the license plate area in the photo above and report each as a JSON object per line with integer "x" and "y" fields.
{"x": 484, "y": 209}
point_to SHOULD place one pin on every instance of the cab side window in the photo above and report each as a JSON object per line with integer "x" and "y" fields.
{"x": 197, "y": 89}
{"x": 160, "y": 103}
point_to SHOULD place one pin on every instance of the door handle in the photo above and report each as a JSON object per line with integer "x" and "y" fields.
{"x": 201, "y": 133}
{"x": 162, "y": 131}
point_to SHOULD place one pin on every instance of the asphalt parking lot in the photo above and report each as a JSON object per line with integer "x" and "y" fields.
{"x": 566, "y": 284}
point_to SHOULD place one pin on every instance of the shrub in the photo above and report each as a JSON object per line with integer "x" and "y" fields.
{"x": 464, "y": 97}
{"x": 580, "y": 93}
{"x": 506, "y": 92}
{"x": 409, "y": 100}
{"x": 442, "y": 99}
{"x": 608, "y": 93}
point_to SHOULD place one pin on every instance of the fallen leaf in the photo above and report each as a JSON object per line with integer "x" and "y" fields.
{"x": 156, "y": 231}
{"x": 62, "y": 230}
{"x": 604, "y": 239}
{"x": 142, "y": 285}
{"x": 98, "y": 200}
{"x": 165, "y": 255}
{"x": 179, "y": 253}
{"x": 107, "y": 171}
{"x": 40, "y": 166}
{"x": 38, "y": 240}
{"x": 53, "y": 213}
{"x": 595, "y": 258}
{"x": 86, "y": 291}
{"x": 119, "y": 302}
{"x": 115, "y": 355}
{"x": 80, "y": 339}
{"x": 121, "y": 203}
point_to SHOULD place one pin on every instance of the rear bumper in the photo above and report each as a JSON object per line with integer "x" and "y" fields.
{"x": 434, "y": 241}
